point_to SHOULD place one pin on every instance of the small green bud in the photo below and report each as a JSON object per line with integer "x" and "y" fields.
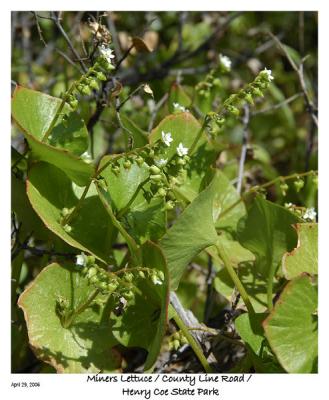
{"x": 93, "y": 84}
{"x": 154, "y": 169}
{"x": 170, "y": 205}
{"x": 128, "y": 277}
{"x": 67, "y": 228}
{"x": 171, "y": 195}
{"x": 65, "y": 211}
{"x": 141, "y": 274}
{"x": 249, "y": 99}
{"x": 257, "y": 92}
{"x": 162, "y": 192}
{"x": 94, "y": 279}
{"x": 129, "y": 295}
{"x": 181, "y": 161}
{"x": 151, "y": 153}
{"x": 315, "y": 180}
{"x": 156, "y": 178}
{"x": 176, "y": 336}
{"x": 100, "y": 76}
{"x": 233, "y": 110}
{"x": 299, "y": 184}
{"x": 161, "y": 275}
{"x": 284, "y": 187}
{"x": 103, "y": 285}
{"x": 91, "y": 272}
{"x": 217, "y": 82}
{"x": 126, "y": 164}
{"x": 85, "y": 90}
{"x": 139, "y": 160}
{"x": 202, "y": 92}
{"x": 112, "y": 286}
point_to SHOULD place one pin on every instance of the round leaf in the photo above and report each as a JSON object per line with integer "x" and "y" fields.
{"x": 86, "y": 345}
{"x": 291, "y": 328}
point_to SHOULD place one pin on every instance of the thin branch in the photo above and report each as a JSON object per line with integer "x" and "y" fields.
{"x": 278, "y": 105}
{"x": 56, "y": 20}
{"x": 209, "y": 298}
{"x": 300, "y": 73}
{"x": 245, "y": 138}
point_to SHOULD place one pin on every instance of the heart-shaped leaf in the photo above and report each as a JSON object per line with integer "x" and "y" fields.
{"x": 193, "y": 231}
{"x": 148, "y": 309}
{"x": 34, "y": 111}
{"x": 83, "y": 346}
{"x": 291, "y": 328}
{"x": 249, "y": 328}
{"x": 128, "y": 192}
{"x": 268, "y": 232}
{"x": 304, "y": 258}
{"x": 50, "y": 191}
{"x": 184, "y": 128}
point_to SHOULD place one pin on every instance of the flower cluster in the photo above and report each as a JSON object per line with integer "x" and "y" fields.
{"x": 121, "y": 284}
{"x": 177, "y": 340}
{"x": 310, "y": 214}
{"x": 91, "y": 79}
{"x": 249, "y": 92}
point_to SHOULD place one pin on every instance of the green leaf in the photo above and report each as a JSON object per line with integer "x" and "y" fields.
{"x": 30, "y": 222}
{"x": 251, "y": 332}
{"x": 86, "y": 345}
{"x": 228, "y": 196}
{"x": 50, "y": 191}
{"x": 254, "y": 283}
{"x": 304, "y": 258}
{"x": 184, "y": 128}
{"x": 148, "y": 309}
{"x": 33, "y": 111}
{"x": 121, "y": 187}
{"x": 267, "y": 231}
{"x": 291, "y": 328}
{"x": 178, "y": 95}
{"x": 193, "y": 231}
{"x": 138, "y": 135}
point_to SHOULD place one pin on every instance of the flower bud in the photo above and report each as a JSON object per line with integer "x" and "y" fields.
{"x": 299, "y": 184}
{"x": 91, "y": 272}
{"x": 67, "y": 228}
{"x": 126, "y": 164}
{"x": 141, "y": 274}
{"x": 154, "y": 169}
{"x": 128, "y": 277}
{"x": 162, "y": 192}
{"x": 156, "y": 178}
{"x": 169, "y": 205}
{"x": 93, "y": 84}
{"x": 139, "y": 160}
{"x": 284, "y": 187}
{"x": 100, "y": 76}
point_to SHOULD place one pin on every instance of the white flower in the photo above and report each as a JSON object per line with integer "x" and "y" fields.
{"x": 268, "y": 72}
{"x": 161, "y": 163}
{"x": 225, "y": 61}
{"x": 310, "y": 213}
{"x": 81, "y": 260}
{"x": 181, "y": 150}
{"x": 178, "y": 107}
{"x": 156, "y": 280}
{"x": 166, "y": 138}
{"x": 106, "y": 52}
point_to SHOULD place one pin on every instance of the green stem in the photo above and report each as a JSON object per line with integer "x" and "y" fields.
{"x": 61, "y": 106}
{"x": 265, "y": 185}
{"x": 222, "y": 254}
{"x": 77, "y": 207}
{"x": 197, "y": 138}
{"x": 126, "y": 207}
{"x": 270, "y": 287}
{"x": 192, "y": 342}
{"x": 68, "y": 321}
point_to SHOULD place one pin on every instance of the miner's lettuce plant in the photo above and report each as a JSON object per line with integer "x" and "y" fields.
{"x": 166, "y": 203}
